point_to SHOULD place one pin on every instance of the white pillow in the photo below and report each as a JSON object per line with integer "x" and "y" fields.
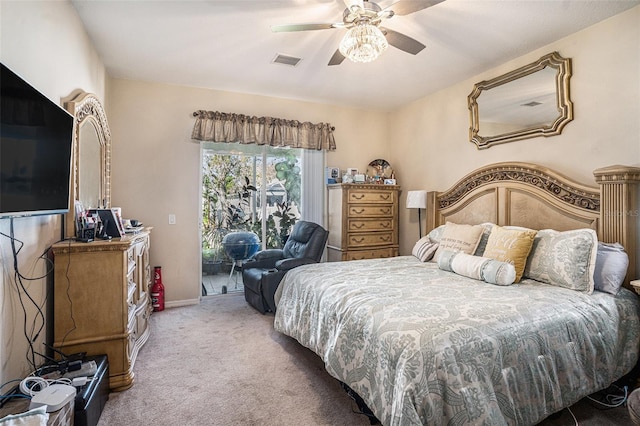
{"x": 611, "y": 267}
{"x": 424, "y": 249}
{"x": 464, "y": 238}
{"x": 477, "y": 267}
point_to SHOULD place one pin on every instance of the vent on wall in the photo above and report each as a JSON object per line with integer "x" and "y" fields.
{"x": 286, "y": 60}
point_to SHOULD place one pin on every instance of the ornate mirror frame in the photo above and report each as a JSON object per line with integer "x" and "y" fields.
{"x": 89, "y": 115}
{"x": 563, "y": 102}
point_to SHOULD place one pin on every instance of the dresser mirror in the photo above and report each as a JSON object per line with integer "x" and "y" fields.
{"x": 527, "y": 102}
{"x": 91, "y": 164}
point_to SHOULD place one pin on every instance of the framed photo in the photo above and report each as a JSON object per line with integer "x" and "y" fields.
{"x": 352, "y": 171}
{"x": 389, "y": 181}
{"x": 111, "y": 226}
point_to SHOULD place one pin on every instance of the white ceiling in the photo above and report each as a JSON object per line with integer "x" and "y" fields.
{"x": 228, "y": 45}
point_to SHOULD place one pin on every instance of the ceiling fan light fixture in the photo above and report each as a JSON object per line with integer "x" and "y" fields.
{"x": 363, "y": 43}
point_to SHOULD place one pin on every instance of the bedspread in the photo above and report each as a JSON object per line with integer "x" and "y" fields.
{"x": 425, "y": 346}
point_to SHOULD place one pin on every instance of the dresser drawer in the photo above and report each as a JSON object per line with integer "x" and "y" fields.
{"x": 370, "y": 254}
{"x": 370, "y": 239}
{"x": 356, "y": 210}
{"x": 363, "y": 196}
{"x": 363, "y": 225}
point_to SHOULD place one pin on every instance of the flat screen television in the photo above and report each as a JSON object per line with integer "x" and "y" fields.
{"x": 36, "y": 138}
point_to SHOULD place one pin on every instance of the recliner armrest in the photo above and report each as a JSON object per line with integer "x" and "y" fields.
{"x": 265, "y": 259}
{"x": 287, "y": 264}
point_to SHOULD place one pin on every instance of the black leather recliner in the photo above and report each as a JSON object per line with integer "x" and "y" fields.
{"x": 262, "y": 273}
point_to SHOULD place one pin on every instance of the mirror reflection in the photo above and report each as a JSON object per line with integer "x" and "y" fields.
{"x": 528, "y": 102}
{"x": 89, "y": 170}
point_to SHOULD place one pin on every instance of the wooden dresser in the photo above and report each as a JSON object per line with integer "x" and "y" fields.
{"x": 363, "y": 221}
{"x": 102, "y": 301}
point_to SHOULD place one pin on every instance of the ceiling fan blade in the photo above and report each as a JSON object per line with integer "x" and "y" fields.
{"x": 336, "y": 59}
{"x": 302, "y": 27}
{"x": 403, "y": 42}
{"x": 409, "y": 6}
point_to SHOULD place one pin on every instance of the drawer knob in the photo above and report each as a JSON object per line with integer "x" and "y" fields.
{"x": 357, "y": 225}
{"x": 357, "y": 196}
{"x": 384, "y": 196}
{"x": 358, "y": 240}
{"x": 385, "y": 211}
{"x": 385, "y": 224}
{"x": 358, "y": 211}
{"x": 385, "y": 238}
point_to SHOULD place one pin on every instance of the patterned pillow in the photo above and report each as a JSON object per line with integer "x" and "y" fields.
{"x": 510, "y": 245}
{"x": 486, "y": 231}
{"x": 477, "y": 267}
{"x": 611, "y": 267}
{"x": 565, "y": 259}
{"x": 464, "y": 238}
{"x": 435, "y": 234}
{"x": 424, "y": 249}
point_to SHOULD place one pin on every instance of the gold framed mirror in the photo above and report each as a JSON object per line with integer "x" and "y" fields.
{"x": 530, "y": 101}
{"x": 91, "y": 165}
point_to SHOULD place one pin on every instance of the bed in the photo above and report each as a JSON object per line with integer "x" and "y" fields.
{"x": 423, "y": 345}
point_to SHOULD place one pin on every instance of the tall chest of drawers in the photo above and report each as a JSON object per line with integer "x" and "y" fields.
{"x": 102, "y": 301}
{"x": 363, "y": 221}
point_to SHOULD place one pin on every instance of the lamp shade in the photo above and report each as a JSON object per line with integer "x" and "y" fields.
{"x": 417, "y": 200}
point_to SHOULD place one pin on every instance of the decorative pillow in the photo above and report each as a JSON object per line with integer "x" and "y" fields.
{"x": 611, "y": 267}
{"x": 476, "y": 267}
{"x": 464, "y": 238}
{"x": 424, "y": 249}
{"x": 486, "y": 231}
{"x": 510, "y": 245}
{"x": 435, "y": 234}
{"x": 566, "y": 259}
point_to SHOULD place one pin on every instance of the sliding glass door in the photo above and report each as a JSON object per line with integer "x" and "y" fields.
{"x": 247, "y": 188}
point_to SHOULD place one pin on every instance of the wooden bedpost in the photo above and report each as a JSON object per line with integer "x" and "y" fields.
{"x": 432, "y": 208}
{"x": 619, "y": 214}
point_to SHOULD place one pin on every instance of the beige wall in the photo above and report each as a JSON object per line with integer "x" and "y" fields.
{"x": 156, "y": 166}
{"x": 46, "y": 44}
{"x": 432, "y": 134}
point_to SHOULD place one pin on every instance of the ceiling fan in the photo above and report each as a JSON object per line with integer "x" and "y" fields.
{"x": 365, "y": 39}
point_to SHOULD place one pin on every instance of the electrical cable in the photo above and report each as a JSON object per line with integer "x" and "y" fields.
{"x": 38, "y": 323}
{"x": 9, "y": 382}
{"x": 613, "y": 401}
{"x": 22, "y": 291}
{"x": 33, "y": 384}
{"x": 73, "y": 320}
{"x": 572, "y": 415}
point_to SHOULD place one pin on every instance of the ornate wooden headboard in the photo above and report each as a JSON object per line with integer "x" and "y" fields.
{"x": 532, "y": 196}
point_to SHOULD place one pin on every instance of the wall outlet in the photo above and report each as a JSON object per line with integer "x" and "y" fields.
{"x": 172, "y": 219}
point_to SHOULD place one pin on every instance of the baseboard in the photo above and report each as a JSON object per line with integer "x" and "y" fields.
{"x": 178, "y": 303}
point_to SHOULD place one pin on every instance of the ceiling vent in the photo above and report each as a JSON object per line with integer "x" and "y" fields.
{"x": 286, "y": 60}
{"x": 532, "y": 104}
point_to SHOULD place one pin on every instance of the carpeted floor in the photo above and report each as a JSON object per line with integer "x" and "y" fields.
{"x": 221, "y": 363}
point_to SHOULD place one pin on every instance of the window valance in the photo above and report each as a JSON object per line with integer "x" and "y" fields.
{"x": 215, "y": 126}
